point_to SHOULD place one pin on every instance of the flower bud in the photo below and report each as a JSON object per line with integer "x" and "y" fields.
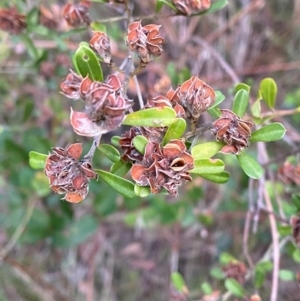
{"x": 100, "y": 44}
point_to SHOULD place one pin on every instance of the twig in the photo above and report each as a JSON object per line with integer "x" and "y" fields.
{"x": 20, "y": 229}
{"x": 241, "y": 14}
{"x": 229, "y": 70}
{"x": 89, "y": 156}
{"x": 276, "y": 250}
{"x": 138, "y": 91}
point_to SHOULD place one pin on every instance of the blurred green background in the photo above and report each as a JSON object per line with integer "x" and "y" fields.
{"x": 113, "y": 248}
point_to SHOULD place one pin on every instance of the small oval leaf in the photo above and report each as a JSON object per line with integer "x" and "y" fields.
{"x": 250, "y": 166}
{"x": 268, "y": 90}
{"x": 241, "y": 86}
{"x": 234, "y": 287}
{"x": 153, "y": 117}
{"x": 119, "y": 184}
{"x": 87, "y": 63}
{"x": 141, "y": 191}
{"x": 219, "y": 178}
{"x": 120, "y": 168}
{"x": 240, "y": 102}
{"x": 215, "y": 6}
{"x": 140, "y": 143}
{"x": 256, "y": 108}
{"x": 175, "y": 131}
{"x": 115, "y": 140}
{"x": 206, "y": 150}
{"x": 268, "y": 133}
{"x": 178, "y": 282}
{"x": 208, "y": 166}
{"x": 220, "y": 97}
{"x": 110, "y": 152}
{"x": 37, "y": 160}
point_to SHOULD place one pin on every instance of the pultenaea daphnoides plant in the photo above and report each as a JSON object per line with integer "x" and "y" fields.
{"x": 160, "y": 149}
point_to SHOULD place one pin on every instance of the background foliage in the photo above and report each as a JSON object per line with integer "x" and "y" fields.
{"x": 116, "y": 248}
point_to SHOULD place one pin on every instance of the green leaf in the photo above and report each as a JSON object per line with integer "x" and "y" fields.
{"x": 240, "y": 102}
{"x": 206, "y": 288}
{"x": 159, "y": 4}
{"x": 120, "y": 168}
{"x": 234, "y": 287}
{"x": 250, "y": 166}
{"x": 30, "y": 47}
{"x": 141, "y": 191}
{"x": 284, "y": 230}
{"x": 241, "y": 86}
{"x": 175, "y": 131}
{"x": 206, "y": 150}
{"x": 110, "y": 152}
{"x": 259, "y": 278}
{"x": 153, "y": 117}
{"x": 296, "y": 255}
{"x": 87, "y": 63}
{"x": 96, "y": 26}
{"x": 119, "y": 184}
{"x": 115, "y": 140}
{"x": 219, "y": 178}
{"x": 268, "y": 90}
{"x": 37, "y": 160}
{"x": 140, "y": 143}
{"x": 178, "y": 282}
{"x": 208, "y": 166}
{"x": 256, "y": 108}
{"x": 264, "y": 266}
{"x": 217, "y": 273}
{"x": 287, "y": 275}
{"x": 268, "y": 133}
{"x": 220, "y": 97}
{"x": 226, "y": 258}
{"x": 296, "y": 201}
{"x": 214, "y": 112}
{"x": 216, "y": 6}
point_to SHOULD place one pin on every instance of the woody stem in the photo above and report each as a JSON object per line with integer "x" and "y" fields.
{"x": 93, "y": 148}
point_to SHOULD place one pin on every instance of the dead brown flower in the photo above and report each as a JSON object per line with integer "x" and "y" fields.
{"x": 11, "y": 20}
{"x": 191, "y": 7}
{"x": 105, "y": 108}
{"x": 77, "y": 14}
{"x": 71, "y": 85}
{"x": 195, "y": 96}
{"x": 145, "y": 41}
{"x": 289, "y": 173}
{"x": 67, "y": 174}
{"x": 236, "y": 270}
{"x": 232, "y": 130}
{"x": 100, "y": 44}
{"x": 295, "y": 223}
{"x": 163, "y": 167}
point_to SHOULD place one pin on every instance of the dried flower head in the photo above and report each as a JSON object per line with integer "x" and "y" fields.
{"x": 191, "y": 7}
{"x": 289, "y": 173}
{"x": 164, "y": 167}
{"x": 236, "y": 270}
{"x": 11, "y": 20}
{"x": 232, "y": 130}
{"x": 67, "y": 174}
{"x": 130, "y": 153}
{"x": 195, "y": 96}
{"x": 145, "y": 41}
{"x": 71, "y": 85}
{"x": 100, "y": 44}
{"x": 105, "y": 108}
{"x": 295, "y": 223}
{"x": 77, "y": 14}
